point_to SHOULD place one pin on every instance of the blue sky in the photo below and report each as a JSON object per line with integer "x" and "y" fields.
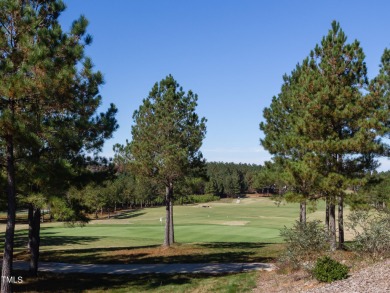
{"x": 233, "y": 54}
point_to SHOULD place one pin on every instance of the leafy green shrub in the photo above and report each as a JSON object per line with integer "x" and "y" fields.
{"x": 329, "y": 270}
{"x": 201, "y": 198}
{"x": 304, "y": 242}
{"x": 372, "y": 232}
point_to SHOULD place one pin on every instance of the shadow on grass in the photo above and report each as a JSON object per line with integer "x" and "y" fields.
{"x": 48, "y": 239}
{"x": 199, "y": 253}
{"x": 49, "y": 282}
{"x": 240, "y": 245}
{"x": 128, "y": 214}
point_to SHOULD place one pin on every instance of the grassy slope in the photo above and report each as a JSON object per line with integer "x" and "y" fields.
{"x": 253, "y": 220}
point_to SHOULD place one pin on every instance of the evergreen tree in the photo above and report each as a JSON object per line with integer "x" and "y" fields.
{"x": 327, "y": 120}
{"x": 46, "y": 106}
{"x": 167, "y": 136}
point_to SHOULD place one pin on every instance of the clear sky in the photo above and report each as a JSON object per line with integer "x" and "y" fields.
{"x": 233, "y": 54}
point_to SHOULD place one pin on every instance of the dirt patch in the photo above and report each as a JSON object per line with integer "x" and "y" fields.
{"x": 143, "y": 254}
{"x": 291, "y": 283}
{"x": 235, "y": 223}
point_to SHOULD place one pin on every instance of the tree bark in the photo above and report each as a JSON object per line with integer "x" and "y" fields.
{"x": 327, "y": 214}
{"x": 6, "y": 272}
{"x": 332, "y": 225}
{"x": 34, "y": 227}
{"x": 171, "y": 230}
{"x": 302, "y": 212}
{"x": 341, "y": 222}
{"x": 167, "y": 242}
{"x": 30, "y": 231}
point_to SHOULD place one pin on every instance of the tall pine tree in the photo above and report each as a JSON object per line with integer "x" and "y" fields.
{"x": 328, "y": 120}
{"x": 46, "y": 106}
{"x": 167, "y": 135}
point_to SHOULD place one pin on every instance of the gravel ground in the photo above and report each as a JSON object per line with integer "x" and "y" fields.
{"x": 373, "y": 279}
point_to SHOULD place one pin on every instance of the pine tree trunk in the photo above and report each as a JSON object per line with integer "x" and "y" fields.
{"x": 327, "y": 214}
{"x": 332, "y": 226}
{"x": 167, "y": 242}
{"x": 34, "y": 227}
{"x": 6, "y": 272}
{"x": 341, "y": 222}
{"x": 30, "y": 231}
{"x": 171, "y": 229}
{"x": 302, "y": 212}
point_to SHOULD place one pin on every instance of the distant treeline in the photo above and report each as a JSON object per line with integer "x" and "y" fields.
{"x": 122, "y": 189}
{"x": 230, "y": 179}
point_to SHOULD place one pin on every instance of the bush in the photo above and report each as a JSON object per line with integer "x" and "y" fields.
{"x": 201, "y": 198}
{"x": 329, "y": 270}
{"x": 304, "y": 242}
{"x": 372, "y": 232}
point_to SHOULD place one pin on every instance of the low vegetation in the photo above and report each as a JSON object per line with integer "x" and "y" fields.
{"x": 304, "y": 242}
{"x": 329, "y": 270}
{"x": 372, "y": 233}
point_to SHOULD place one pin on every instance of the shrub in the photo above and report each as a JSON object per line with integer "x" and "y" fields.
{"x": 372, "y": 232}
{"x": 304, "y": 242}
{"x": 191, "y": 199}
{"x": 329, "y": 270}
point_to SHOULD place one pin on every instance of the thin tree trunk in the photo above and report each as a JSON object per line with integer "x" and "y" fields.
{"x": 327, "y": 214}
{"x": 341, "y": 222}
{"x": 30, "y": 231}
{"x": 302, "y": 212}
{"x": 6, "y": 272}
{"x": 171, "y": 229}
{"x": 35, "y": 227}
{"x": 167, "y": 241}
{"x": 332, "y": 225}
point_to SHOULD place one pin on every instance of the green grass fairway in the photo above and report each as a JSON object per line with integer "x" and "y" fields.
{"x": 254, "y": 220}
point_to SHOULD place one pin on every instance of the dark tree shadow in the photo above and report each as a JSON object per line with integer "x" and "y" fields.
{"x": 238, "y": 245}
{"x": 48, "y": 239}
{"x": 214, "y": 253}
{"x": 128, "y": 214}
{"x": 49, "y": 282}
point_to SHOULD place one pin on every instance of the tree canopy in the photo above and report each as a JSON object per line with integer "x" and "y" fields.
{"x": 323, "y": 124}
{"x": 166, "y": 137}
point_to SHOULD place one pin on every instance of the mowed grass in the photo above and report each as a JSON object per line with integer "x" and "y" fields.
{"x": 224, "y": 231}
{"x": 48, "y": 282}
{"x": 252, "y": 220}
